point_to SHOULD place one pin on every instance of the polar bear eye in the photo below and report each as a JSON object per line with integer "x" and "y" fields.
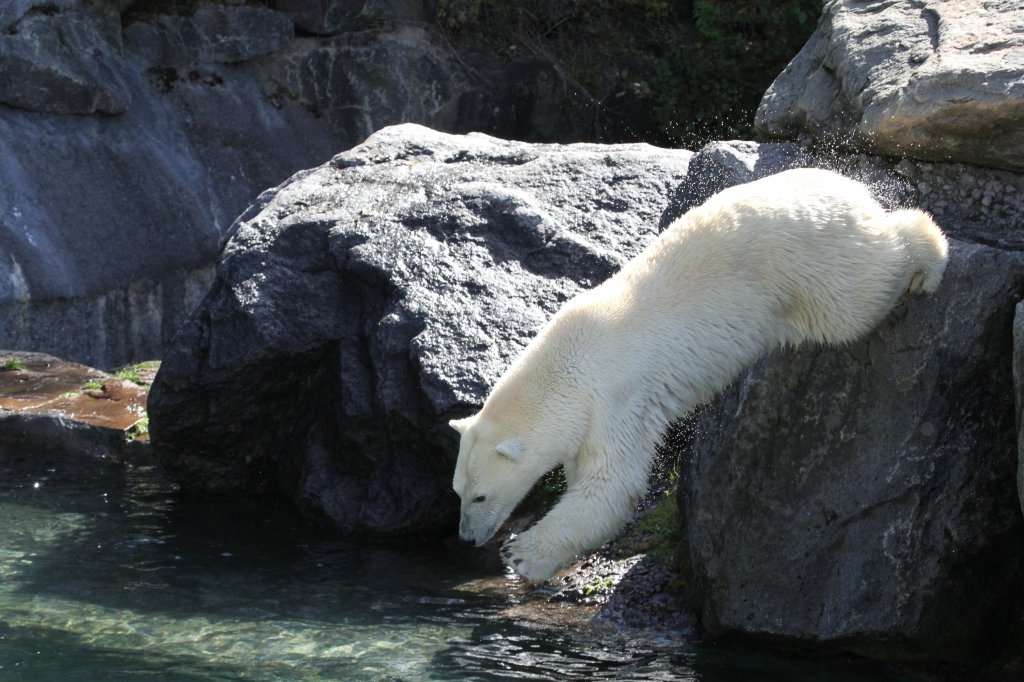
{"x": 479, "y": 498}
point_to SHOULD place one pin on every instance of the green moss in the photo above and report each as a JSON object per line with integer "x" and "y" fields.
{"x": 134, "y": 373}
{"x": 129, "y": 374}
{"x": 12, "y": 365}
{"x": 92, "y": 385}
{"x": 138, "y": 429}
{"x": 662, "y": 527}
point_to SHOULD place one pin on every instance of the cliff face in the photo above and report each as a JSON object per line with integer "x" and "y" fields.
{"x": 133, "y": 133}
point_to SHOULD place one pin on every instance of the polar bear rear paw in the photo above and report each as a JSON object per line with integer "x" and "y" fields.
{"x": 531, "y": 557}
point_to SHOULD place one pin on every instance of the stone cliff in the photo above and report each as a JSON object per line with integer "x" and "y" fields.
{"x": 132, "y": 133}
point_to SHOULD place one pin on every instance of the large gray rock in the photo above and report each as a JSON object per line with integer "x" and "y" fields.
{"x": 931, "y": 80}
{"x": 130, "y": 141}
{"x": 865, "y": 497}
{"x": 361, "y": 305}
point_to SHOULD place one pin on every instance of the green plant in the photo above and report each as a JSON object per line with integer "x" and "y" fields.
{"x": 12, "y": 365}
{"x": 662, "y": 526}
{"x": 129, "y": 374}
{"x": 138, "y": 429}
{"x": 134, "y": 373}
{"x": 598, "y": 585}
{"x": 92, "y": 385}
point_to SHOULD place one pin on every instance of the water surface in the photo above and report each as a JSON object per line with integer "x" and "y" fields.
{"x": 106, "y": 574}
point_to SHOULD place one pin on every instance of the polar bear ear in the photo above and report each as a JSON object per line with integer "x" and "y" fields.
{"x": 513, "y": 448}
{"x": 462, "y": 425}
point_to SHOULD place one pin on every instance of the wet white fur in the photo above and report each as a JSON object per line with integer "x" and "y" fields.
{"x": 805, "y": 255}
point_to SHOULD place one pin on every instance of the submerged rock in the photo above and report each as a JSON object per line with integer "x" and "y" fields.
{"x": 362, "y": 304}
{"x": 930, "y": 80}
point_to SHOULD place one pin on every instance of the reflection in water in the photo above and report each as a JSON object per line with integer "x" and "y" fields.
{"x": 106, "y": 575}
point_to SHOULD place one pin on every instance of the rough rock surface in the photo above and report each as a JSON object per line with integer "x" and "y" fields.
{"x": 132, "y": 134}
{"x": 363, "y": 304}
{"x": 865, "y": 497}
{"x": 1018, "y": 391}
{"x": 931, "y": 80}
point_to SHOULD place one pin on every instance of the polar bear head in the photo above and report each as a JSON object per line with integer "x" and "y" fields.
{"x": 500, "y": 458}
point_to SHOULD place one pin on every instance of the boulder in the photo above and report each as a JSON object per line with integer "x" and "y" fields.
{"x": 364, "y": 303}
{"x": 864, "y": 497}
{"x": 930, "y": 80}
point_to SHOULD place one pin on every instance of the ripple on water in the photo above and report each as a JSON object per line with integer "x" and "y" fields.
{"x": 106, "y": 575}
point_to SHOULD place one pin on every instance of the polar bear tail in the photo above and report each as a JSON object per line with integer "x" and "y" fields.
{"x": 927, "y": 246}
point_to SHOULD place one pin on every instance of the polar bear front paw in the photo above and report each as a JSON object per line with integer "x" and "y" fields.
{"x": 531, "y": 557}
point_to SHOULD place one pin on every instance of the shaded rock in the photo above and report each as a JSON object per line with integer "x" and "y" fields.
{"x": 865, "y": 497}
{"x": 930, "y": 80}
{"x": 215, "y": 33}
{"x": 342, "y": 81}
{"x": 331, "y": 17}
{"x": 321, "y": 18}
{"x": 1018, "y": 391}
{"x": 361, "y": 305}
{"x": 67, "y": 63}
{"x": 13, "y": 10}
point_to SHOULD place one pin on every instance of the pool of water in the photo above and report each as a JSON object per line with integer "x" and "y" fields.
{"x": 106, "y": 574}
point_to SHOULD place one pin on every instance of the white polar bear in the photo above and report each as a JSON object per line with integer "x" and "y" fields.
{"x": 805, "y": 255}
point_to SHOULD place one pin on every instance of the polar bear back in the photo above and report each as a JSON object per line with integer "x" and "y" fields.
{"x": 805, "y": 255}
{"x": 812, "y": 245}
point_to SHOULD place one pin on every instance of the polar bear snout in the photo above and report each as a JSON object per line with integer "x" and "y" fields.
{"x": 470, "y": 532}
{"x": 464, "y": 532}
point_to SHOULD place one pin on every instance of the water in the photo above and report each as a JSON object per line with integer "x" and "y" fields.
{"x": 105, "y": 574}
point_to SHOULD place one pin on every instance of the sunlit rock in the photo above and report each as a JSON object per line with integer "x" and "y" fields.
{"x": 930, "y": 80}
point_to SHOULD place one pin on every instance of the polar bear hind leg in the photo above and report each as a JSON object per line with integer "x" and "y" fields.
{"x": 927, "y": 246}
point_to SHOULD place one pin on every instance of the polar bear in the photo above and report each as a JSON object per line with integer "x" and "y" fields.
{"x": 804, "y": 255}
